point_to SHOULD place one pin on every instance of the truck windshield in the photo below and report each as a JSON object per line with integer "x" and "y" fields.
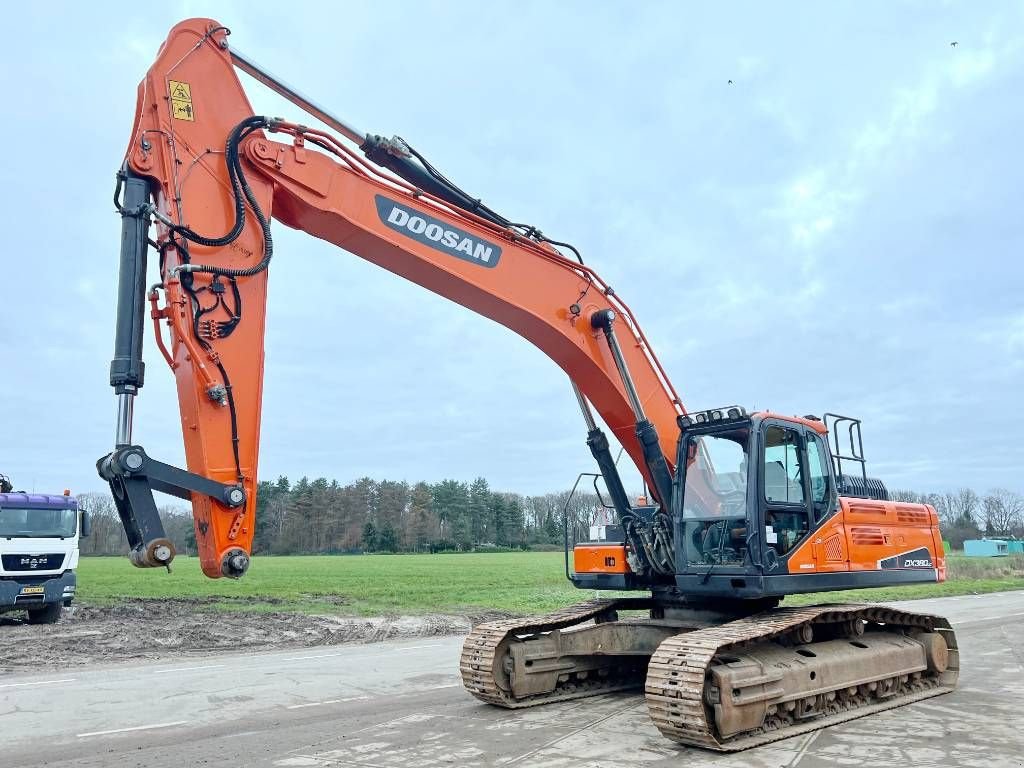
{"x": 715, "y": 498}
{"x": 37, "y": 523}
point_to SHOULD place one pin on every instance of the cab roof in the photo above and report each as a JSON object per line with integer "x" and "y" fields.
{"x": 816, "y": 424}
{"x": 37, "y": 501}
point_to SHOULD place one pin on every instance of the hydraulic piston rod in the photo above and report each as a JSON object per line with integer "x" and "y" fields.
{"x": 393, "y": 154}
{"x": 603, "y": 321}
{"x": 645, "y": 432}
{"x": 127, "y": 371}
{"x": 250, "y": 67}
{"x": 588, "y": 415}
{"x": 599, "y": 448}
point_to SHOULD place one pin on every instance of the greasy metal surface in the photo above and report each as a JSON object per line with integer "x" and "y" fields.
{"x": 584, "y": 655}
{"x": 749, "y": 687}
{"x": 678, "y": 671}
{"x": 484, "y": 650}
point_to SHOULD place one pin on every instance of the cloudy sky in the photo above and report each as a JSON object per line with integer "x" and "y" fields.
{"x": 837, "y": 230}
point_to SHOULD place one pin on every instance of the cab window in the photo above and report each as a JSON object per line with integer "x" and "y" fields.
{"x": 715, "y": 498}
{"x": 817, "y": 471}
{"x": 786, "y": 517}
{"x": 782, "y": 481}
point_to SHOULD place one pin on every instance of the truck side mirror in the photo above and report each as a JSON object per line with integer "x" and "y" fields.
{"x": 86, "y": 524}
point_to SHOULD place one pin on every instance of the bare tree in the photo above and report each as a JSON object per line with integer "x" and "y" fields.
{"x": 941, "y": 502}
{"x": 107, "y": 537}
{"x": 908, "y": 496}
{"x": 1004, "y": 511}
{"x": 964, "y": 506}
{"x": 180, "y": 528}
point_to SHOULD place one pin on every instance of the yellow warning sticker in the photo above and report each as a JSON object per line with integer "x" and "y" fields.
{"x": 181, "y": 101}
{"x": 182, "y": 110}
{"x": 181, "y": 91}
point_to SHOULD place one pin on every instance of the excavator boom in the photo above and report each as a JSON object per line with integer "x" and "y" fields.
{"x": 217, "y": 176}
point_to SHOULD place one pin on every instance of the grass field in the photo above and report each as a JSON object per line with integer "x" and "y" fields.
{"x": 367, "y": 585}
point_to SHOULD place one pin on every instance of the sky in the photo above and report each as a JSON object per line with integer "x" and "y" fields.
{"x": 837, "y": 229}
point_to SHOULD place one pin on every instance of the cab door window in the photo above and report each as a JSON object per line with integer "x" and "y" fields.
{"x": 786, "y": 513}
{"x": 783, "y": 483}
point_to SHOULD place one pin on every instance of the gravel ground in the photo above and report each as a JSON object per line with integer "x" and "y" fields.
{"x": 174, "y": 628}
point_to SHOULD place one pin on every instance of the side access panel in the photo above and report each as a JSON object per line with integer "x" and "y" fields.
{"x": 869, "y": 536}
{"x": 600, "y": 558}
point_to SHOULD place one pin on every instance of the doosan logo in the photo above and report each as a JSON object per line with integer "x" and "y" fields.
{"x": 437, "y": 234}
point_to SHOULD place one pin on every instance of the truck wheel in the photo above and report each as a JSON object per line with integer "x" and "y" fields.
{"x": 50, "y": 614}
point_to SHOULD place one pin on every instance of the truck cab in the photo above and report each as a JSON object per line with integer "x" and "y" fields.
{"x": 39, "y": 553}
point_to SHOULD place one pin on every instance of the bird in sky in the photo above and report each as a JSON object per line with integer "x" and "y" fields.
{"x": 730, "y": 82}
{"x": 954, "y": 44}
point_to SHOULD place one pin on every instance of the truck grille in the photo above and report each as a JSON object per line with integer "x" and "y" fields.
{"x": 30, "y": 563}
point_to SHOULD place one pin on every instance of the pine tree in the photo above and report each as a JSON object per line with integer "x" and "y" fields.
{"x": 370, "y": 536}
{"x": 319, "y": 514}
{"x": 266, "y": 530}
{"x": 516, "y": 521}
{"x": 553, "y": 533}
{"x": 422, "y": 530}
{"x": 392, "y": 503}
{"x": 499, "y": 519}
{"x": 451, "y": 502}
{"x": 295, "y": 533}
{"x": 387, "y": 538}
{"x": 479, "y": 511}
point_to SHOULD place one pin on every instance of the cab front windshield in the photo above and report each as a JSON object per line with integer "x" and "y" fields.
{"x": 18, "y": 522}
{"x": 715, "y": 498}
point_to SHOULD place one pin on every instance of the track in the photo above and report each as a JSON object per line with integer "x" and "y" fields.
{"x": 676, "y": 679}
{"x": 483, "y": 651}
{"x": 678, "y": 675}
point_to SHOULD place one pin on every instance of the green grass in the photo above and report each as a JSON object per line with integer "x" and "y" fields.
{"x": 519, "y": 582}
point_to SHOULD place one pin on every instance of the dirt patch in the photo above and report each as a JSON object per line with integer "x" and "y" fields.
{"x": 174, "y": 628}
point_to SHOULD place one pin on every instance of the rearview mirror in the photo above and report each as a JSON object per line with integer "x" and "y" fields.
{"x": 86, "y": 524}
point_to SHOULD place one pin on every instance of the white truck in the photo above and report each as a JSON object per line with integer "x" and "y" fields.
{"x": 38, "y": 552}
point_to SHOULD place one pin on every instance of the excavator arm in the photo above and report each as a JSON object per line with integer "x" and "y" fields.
{"x": 210, "y": 175}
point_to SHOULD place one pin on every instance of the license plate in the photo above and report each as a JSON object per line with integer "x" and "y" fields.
{"x": 32, "y": 590}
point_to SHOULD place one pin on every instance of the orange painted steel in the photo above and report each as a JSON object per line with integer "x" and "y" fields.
{"x": 864, "y": 532}
{"x": 816, "y": 424}
{"x": 188, "y": 103}
{"x": 600, "y": 558}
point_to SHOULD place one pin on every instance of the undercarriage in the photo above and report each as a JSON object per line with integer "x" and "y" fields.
{"x": 718, "y": 679}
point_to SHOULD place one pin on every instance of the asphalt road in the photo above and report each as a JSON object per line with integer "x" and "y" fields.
{"x": 395, "y": 704}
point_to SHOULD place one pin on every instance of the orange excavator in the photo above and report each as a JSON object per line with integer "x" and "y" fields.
{"x": 745, "y": 508}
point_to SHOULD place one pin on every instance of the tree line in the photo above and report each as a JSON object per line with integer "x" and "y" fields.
{"x": 964, "y": 514}
{"x": 322, "y": 516}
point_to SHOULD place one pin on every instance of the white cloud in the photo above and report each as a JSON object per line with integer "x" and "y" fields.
{"x": 819, "y": 199}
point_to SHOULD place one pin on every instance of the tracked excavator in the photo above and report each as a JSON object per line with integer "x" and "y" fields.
{"x": 745, "y": 507}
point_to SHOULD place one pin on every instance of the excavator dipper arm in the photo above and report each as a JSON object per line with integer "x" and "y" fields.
{"x": 212, "y": 176}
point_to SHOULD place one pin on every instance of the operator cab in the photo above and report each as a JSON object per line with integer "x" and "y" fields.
{"x": 750, "y": 488}
{"x": 749, "y": 494}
